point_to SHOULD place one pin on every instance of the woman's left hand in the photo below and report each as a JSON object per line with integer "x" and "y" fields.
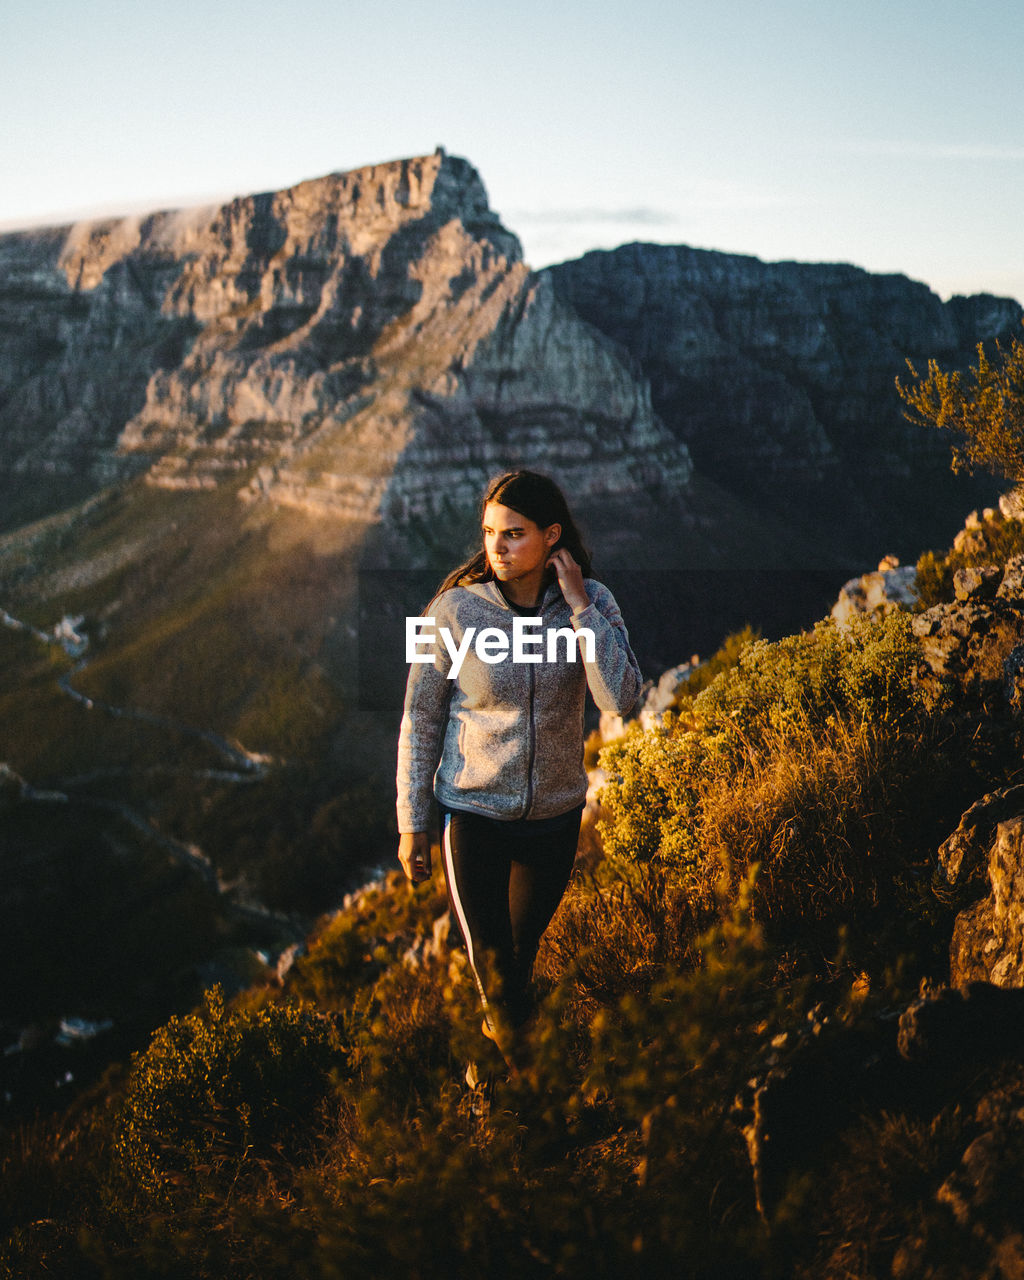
{"x": 570, "y": 578}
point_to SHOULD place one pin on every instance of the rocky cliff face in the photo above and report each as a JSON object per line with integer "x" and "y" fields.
{"x": 779, "y": 379}
{"x": 368, "y": 345}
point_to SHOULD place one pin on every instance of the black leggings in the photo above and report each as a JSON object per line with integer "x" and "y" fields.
{"x": 505, "y": 881}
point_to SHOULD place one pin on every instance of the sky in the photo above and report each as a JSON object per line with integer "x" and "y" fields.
{"x": 884, "y": 133}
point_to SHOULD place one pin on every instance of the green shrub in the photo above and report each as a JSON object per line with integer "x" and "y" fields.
{"x": 789, "y": 692}
{"x": 934, "y": 582}
{"x": 811, "y": 757}
{"x": 216, "y": 1089}
{"x": 860, "y": 671}
{"x": 983, "y": 405}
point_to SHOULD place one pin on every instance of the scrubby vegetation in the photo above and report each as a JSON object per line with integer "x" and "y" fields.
{"x": 983, "y": 405}
{"x": 216, "y": 1094}
{"x": 810, "y": 759}
{"x": 767, "y": 860}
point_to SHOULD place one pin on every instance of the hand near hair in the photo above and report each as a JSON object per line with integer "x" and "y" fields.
{"x": 570, "y": 578}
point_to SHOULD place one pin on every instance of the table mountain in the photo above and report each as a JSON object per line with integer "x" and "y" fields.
{"x": 367, "y": 345}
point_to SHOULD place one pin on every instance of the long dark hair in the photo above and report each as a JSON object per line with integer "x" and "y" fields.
{"x": 538, "y": 498}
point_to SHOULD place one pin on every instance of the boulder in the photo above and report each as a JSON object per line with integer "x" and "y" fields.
{"x": 660, "y": 697}
{"x": 962, "y": 1027}
{"x": 986, "y": 1190}
{"x": 963, "y": 856}
{"x": 1011, "y": 505}
{"x": 890, "y": 587}
{"x": 1013, "y": 668}
{"x": 988, "y": 938}
{"x": 977, "y": 583}
{"x": 965, "y": 644}
{"x": 807, "y": 1087}
{"x": 1012, "y": 586}
{"x": 982, "y": 860}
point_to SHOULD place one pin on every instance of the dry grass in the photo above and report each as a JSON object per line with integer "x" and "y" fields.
{"x": 816, "y": 813}
{"x": 616, "y": 935}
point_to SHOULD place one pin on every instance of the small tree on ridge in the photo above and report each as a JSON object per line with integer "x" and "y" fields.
{"x": 984, "y": 404}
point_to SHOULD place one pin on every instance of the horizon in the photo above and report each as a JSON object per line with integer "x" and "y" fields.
{"x": 883, "y": 137}
{"x": 100, "y": 214}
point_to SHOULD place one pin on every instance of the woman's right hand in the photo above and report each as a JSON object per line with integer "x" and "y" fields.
{"x": 414, "y": 855}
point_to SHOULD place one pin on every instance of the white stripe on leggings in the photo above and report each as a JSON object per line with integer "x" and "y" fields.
{"x": 453, "y": 886}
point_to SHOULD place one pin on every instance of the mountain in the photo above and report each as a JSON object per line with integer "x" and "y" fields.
{"x": 370, "y": 346}
{"x": 778, "y": 378}
{"x": 364, "y": 350}
{"x": 366, "y": 346}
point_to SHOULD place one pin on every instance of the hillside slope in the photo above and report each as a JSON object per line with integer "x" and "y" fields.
{"x": 747, "y": 1058}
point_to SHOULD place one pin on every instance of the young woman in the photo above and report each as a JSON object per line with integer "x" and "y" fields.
{"x": 493, "y": 729}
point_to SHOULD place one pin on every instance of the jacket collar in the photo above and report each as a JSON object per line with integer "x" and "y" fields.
{"x": 489, "y": 591}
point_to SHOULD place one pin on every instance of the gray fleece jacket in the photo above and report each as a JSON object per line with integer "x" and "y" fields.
{"x": 505, "y": 738}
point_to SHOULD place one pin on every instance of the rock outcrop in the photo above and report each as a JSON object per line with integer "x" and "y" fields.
{"x": 973, "y": 643}
{"x": 889, "y": 587}
{"x": 807, "y": 1087}
{"x": 982, "y": 863}
{"x": 779, "y": 379}
{"x": 984, "y": 1192}
{"x": 988, "y": 938}
{"x": 958, "y": 1033}
{"x": 963, "y": 857}
{"x": 956, "y": 1029}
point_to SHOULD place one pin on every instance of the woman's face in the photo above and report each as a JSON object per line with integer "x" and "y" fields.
{"x": 514, "y": 544}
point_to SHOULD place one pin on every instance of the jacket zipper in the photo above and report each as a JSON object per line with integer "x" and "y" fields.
{"x": 533, "y": 750}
